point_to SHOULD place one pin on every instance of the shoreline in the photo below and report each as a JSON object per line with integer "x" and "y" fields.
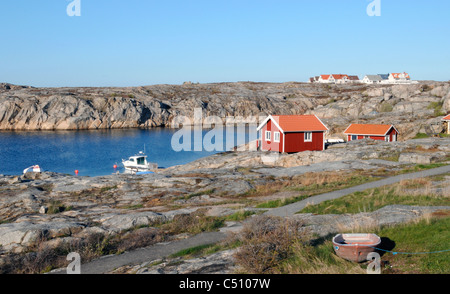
{"x": 68, "y": 209}
{"x": 156, "y": 106}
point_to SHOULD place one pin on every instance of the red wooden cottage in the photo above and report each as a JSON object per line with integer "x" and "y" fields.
{"x": 387, "y": 133}
{"x": 446, "y": 120}
{"x": 292, "y": 133}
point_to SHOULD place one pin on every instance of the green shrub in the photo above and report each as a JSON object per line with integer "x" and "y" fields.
{"x": 266, "y": 242}
{"x": 194, "y": 223}
{"x": 57, "y": 207}
{"x": 437, "y": 106}
{"x": 421, "y": 136}
{"x": 386, "y": 107}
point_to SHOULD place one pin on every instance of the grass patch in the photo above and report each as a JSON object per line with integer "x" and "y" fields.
{"x": 437, "y": 107}
{"x": 45, "y": 187}
{"x": 207, "y": 192}
{"x": 314, "y": 184}
{"x": 321, "y": 259}
{"x": 106, "y": 189}
{"x": 193, "y": 251}
{"x": 244, "y": 170}
{"x": 240, "y": 215}
{"x": 329, "y": 184}
{"x": 332, "y": 100}
{"x": 392, "y": 157}
{"x": 421, "y": 136}
{"x": 56, "y": 207}
{"x": 386, "y": 107}
{"x": 193, "y": 223}
{"x": 427, "y": 235}
{"x": 408, "y": 192}
{"x": 281, "y": 202}
{"x": 421, "y": 167}
{"x": 40, "y": 258}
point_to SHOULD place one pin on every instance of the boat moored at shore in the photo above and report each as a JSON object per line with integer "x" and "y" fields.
{"x": 139, "y": 163}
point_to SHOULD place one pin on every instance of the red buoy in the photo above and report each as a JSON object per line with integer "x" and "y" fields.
{"x": 76, "y": 172}
{"x": 115, "y": 166}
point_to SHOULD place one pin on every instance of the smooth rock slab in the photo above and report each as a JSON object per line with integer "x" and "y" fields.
{"x": 218, "y": 263}
{"x": 120, "y": 222}
{"x": 16, "y": 235}
{"x": 418, "y": 158}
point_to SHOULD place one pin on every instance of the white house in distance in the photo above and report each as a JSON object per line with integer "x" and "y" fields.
{"x": 371, "y": 79}
{"x": 393, "y": 78}
{"x": 354, "y": 79}
{"x": 375, "y": 79}
{"x": 400, "y": 78}
{"x": 326, "y": 79}
{"x": 334, "y": 79}
{"x": 341, "y": 79}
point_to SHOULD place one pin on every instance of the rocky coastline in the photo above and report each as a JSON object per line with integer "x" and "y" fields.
{"x": 412, "y": 108}
{"x": 54, "y": 211}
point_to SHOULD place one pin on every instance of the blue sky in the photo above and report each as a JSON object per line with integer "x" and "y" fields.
{"x": 144, "y": 42}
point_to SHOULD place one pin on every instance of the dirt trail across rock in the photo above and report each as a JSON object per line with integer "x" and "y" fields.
{"x": 291, "y": 209}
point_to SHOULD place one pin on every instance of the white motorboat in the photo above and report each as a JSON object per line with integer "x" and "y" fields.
{"x": 139, "y": 163}
{"x": 32, "y": 169}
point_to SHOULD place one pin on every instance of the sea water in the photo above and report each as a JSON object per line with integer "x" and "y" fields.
{"x": 94, "y": 152}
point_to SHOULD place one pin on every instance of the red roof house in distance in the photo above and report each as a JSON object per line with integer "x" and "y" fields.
{"x": 292, "y": 133}
{"x": 387, "y": 133}
{"x": 326, "y": 79}
{"x": 340, "y": 79}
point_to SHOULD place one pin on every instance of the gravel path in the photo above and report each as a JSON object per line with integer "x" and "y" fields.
{"x": 292, "y": 209}
{"x": 109, "y": 263}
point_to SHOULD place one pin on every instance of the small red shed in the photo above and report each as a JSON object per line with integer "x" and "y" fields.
{"x": 446, "y": 120}
{"x": 387, "y": 133}
{"x": 292, "y": 133}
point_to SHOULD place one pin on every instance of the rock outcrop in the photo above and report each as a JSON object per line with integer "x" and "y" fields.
{"x": 321, "y": 226}
{"x": 143, "y": 107}
{"x": 409, "y": 107}
{"x": 56, "y": 206}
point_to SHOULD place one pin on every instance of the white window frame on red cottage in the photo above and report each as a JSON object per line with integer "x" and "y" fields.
{"x": 276, "y": 137}
{"x": 308, "y": 136}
